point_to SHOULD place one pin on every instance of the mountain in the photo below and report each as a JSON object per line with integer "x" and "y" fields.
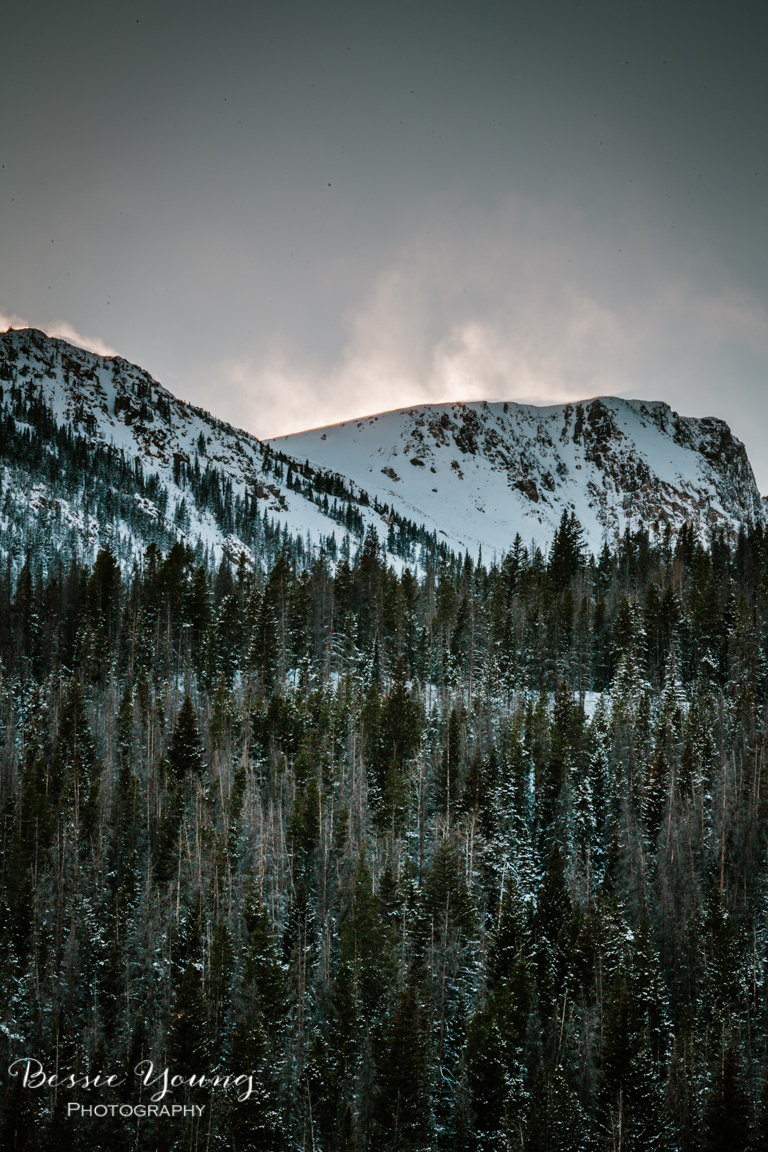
{"x": 95, "y": 452}
{"x": 480, "y": 473}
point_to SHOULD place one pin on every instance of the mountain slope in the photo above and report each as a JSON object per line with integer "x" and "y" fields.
{"x": 481, "y": 472}
{"x": 93, "y": 451}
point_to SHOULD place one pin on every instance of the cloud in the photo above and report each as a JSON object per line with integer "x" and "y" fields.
{"x": 64, "y": 331}
{"x": 11, "y": 321}
{"x": 475, "y": 360}
{"x": 525, "y": 307}
{"x": 437, "y": 326}
{"x": 61, "y": 330}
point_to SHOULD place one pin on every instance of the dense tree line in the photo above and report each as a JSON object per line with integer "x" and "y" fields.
{"x": 468, "y": 858}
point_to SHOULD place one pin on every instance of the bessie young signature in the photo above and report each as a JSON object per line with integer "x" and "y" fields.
{"x": 34, "y": 1075}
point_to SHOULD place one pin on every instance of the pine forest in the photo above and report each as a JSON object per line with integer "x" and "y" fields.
{"x": 447, "y": 858}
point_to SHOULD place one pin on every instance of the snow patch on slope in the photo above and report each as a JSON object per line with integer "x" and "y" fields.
{"x": 483, "y": 472}
{"x": 467, "y": 476}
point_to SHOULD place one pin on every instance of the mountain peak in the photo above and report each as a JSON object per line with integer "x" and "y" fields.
{"x": 94, "y": 450}
{"x": 484, "y": 471}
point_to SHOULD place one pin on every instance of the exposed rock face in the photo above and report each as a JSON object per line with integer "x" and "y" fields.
{"x": 94, "y": 451}
{"x": 610, "y": 460}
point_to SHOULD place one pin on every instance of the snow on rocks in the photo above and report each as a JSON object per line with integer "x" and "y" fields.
{"x": 483, "y": 472}
{"x": 469, "y": 477}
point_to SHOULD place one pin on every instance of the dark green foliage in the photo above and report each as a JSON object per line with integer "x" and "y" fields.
{"x": 263, "y": 975}
{"x": 304, "y": 828}
{"x": 495, "y": 1050}
{"x": 392, "y": 727}
{"x": 760, "y": 1128}
{"x": 448, "y": 785}
{"x": 567, "y": 554}
{"x": 630, "y": 1096}
{"x": 727, "y": 1111}
{"x": 188, "y": 1038}
{"x": 401, "y": 1113}
{"x": 371, "y": 839}
{"x": 185, "y": 753}
{"x": 555, "y": 1119}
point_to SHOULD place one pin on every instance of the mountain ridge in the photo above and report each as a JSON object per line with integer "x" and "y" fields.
{"x": 639, "y": 460}
{"x": 95, "y": 451}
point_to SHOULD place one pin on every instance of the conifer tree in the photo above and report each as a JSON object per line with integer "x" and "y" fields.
{"x": 448, "y": 780}
{"x": 188, "y": 1032}
{"x": 555, "y": 1119}
{"x": 566, "y": 555}
{"x": 73, "y": 769}
{"x": 727, "y": 1111}
{"x": 401, "y": 1112}
{"x": 185, "y": 753}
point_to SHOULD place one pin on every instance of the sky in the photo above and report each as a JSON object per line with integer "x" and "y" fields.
{"x": 295, "y": 213}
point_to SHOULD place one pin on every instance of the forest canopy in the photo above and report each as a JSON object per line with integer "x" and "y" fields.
{"x": 463, "y": 858}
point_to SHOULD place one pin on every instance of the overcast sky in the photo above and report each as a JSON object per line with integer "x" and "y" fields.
{"x": 297, "y": 212}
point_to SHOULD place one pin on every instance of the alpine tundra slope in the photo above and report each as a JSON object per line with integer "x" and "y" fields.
{"x": 480, "y": 473}
{"x": 95, "y": 452}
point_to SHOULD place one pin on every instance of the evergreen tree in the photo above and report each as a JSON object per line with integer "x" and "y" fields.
{"x": 420, "y": 899}
{"x": 185, "y": 753}
{"x": 188, "y": 1034}
{"x": 401, "y": 1112}
{"x": 555, "y": 1119}
{"x": 727, "y": 1111}
{"x": 567, "y": 554}
{"x": 448, "y": 780}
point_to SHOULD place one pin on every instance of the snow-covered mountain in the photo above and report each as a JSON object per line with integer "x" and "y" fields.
{"x": 480, "y": 473}
{"x": 93, "y": 451}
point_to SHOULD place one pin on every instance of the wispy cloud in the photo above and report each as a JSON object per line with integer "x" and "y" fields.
{"x": 476, "y": 360}
{"x": 62, "y": 330}
{"x": 65, "y": 331}
{"x": 11, "y": 321}
{"x": 444, "y": 323}
{"x": 520, "y": 308}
